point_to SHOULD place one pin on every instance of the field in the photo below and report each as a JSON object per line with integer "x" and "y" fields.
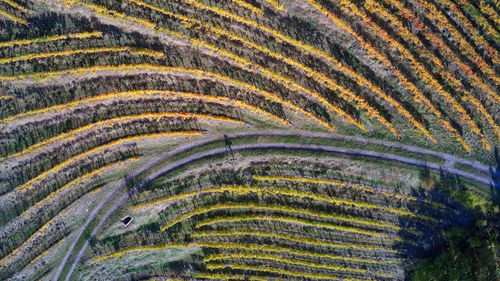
{"x": 249, "y": 140}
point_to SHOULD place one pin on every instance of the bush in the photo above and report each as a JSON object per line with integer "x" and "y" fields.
{"x": 469, "y": 253}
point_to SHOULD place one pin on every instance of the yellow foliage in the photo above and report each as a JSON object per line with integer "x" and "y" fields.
{"x": 339, "y": 183}
{"x": 346, "y": 94}
{"x": 188, "y": 22}
{"x": 283, "y": 192}
{"x": 100, "y": 149}
{"x": 246, "y": 64}
{"x": 113, "y": 122}
{"x": 241, "y": 246}
{"x": 140, "y": 94}
{"x": 214, "y": 276}
{"x": 285, "y": 209}
{"x": 147, "y": 52}
{"x": 13, "y": 17}
{"x": 83, "y": 35}
{"x": 490, "y": 30}
{"x": 276, "y": 5}
{"x": 280, "y": 259}
{"x": 82, "y": 51}
{"x": 47, "y": 251}
{"x": 491, "y": 93}
{"x": 311, "y": 180}
{"x": 102, "y": 11}
{"x": 418, "y": 96}
{"x": 40, "y": 233}
{"x": 489, "y": 10}
{"x": 133, "y": 68}
{"x": 464, "y": 46}
{"x": 124, "y": 18}
{"x": 120, "y": 253}
{"x": 231, "y": 246}
{"x": 248, "y": 6}
{"x": 283, "y": 272}
{"x": 424, "y": 74}
{"x": 290, "y": 220}
{"x": 473, "y": 31}
{"x": 294, "y": 239}
{"x": 285, "y": 81}
{"x": 484, "y": 112}
{"x": 53, "y": 197}
{"x": 17, "y": 6}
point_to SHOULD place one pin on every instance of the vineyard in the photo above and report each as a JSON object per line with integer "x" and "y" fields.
{"x": 249, "y": 139}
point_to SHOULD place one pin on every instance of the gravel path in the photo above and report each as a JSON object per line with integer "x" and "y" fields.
{"x": 450, "y": 160}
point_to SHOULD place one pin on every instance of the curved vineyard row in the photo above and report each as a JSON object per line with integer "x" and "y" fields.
{"x": 289, "y": 237}
{"x": 244, "y": 228}
{"x": 81, "y": 51}
{"x": 284, "y": 209}
{"x": 83, "y": 140}
{"x": 244, "y": 64}
{"x": 419, "y": 69}
{"x": 248, "y": 139}
{"x": 378, "y": 9}
{"x": 344, "y": 93}
{"x": 261, "y": 256}
{"x": 83, "y": 35}
{"x": 13, "y": 17}
{"x": 168, "y": 70}
{"x": 283, "y": 192}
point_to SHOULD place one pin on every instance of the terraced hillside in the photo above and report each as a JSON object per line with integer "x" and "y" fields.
{"x": 249, "y": 139}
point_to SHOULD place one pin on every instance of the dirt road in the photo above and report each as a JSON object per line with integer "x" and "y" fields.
{"x": 450, "y": 160}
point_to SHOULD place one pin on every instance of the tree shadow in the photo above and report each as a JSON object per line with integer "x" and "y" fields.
{"x": 495, "y": 179}
{"x": 464, "y": 230}
{"x": 229, "y": 150}
{"x": 435, "y": 201}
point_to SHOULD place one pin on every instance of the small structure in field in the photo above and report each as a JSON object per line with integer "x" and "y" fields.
{"x": 126, "y": 220}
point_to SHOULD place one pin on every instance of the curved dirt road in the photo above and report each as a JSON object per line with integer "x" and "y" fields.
{"x": 448, "y": 167}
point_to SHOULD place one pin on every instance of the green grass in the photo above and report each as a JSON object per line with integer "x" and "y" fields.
{"x": 79, "y": 245}
{"x": 470, "y": 251}
{"x": 471, "y": 254}
{"x": 301, "y": 140}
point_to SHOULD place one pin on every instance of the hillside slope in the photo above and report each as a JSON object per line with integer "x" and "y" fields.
{"x": 248, "y": 139}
